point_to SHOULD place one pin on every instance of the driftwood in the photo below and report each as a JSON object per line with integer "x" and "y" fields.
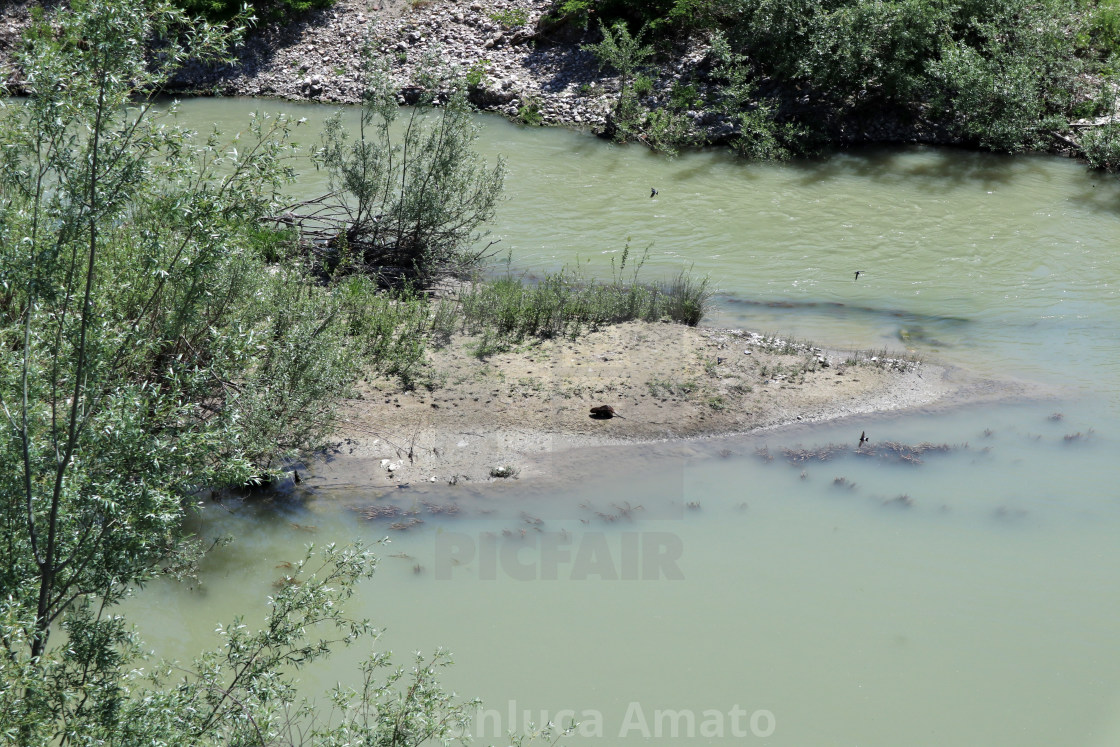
{"x": 1063, "y": 139}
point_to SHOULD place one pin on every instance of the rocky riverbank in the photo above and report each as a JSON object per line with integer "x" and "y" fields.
{"x": 517, "y": 69}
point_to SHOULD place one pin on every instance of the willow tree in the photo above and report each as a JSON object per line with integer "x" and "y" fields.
{"x": 147, "y": 351}
{"x": 412, "y": 188}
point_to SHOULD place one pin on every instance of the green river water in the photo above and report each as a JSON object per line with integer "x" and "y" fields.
{"x": 754, "y": 601}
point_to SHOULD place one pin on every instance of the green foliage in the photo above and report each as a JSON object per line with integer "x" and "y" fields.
{"x": 100, "y": 689}
{"x": 155, "y": 341}
{"x": 110, "y": 270}
{"x": 761, "y": 137}
{"x": 510, "y": 17}
{"x": 1100, "y": 33}
{"x": 643, "y": 86}
{"x": 1000, "y": 75}
{"x": 266, "y": 10}
{"x": 575, "y": 12}
{"x": 666, "y": 131}
{"x": 1101, "y": 147}
{"x": 624, "y": 53}
{"x": 1007, "y": 82}
{"x": 474, "y": 75}
{"x": 661, "y": 17}
{"x": 621, "y": 50}
{"x": 412, "y": 205}
{"x": 683, "y": 97}
{"x": 508, "y": 310}
{"x": 529, "y": 112}
{"x": 996, "y": 72}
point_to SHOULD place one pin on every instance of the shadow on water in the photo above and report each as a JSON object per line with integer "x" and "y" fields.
{"x": 837, "y": 307}
{"x": 941, "y": 169}
{"x": 283, "y": 502}
{"x": 1099, "y": 196}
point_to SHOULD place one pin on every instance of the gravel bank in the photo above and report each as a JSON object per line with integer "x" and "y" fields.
{"x": 319, "y": 56}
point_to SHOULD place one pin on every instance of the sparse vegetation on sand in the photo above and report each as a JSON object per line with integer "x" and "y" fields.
{"x": 510, "y": 310}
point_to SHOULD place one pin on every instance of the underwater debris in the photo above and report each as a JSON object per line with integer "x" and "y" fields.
{"x": 385, "y": 511}
{"x": 625, "y": 509}
{"x": 441, "y": 508}
{"x": 884, "y": 450}
{"x": 799, "y": 454}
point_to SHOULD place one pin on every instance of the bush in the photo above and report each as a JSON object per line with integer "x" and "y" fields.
{"x": 643, "y": 86}
{"x": 682, "y": 97}
{"x": 996, "y": 72}
{"x": 147, "y": 352}
{"x": 661, "y": 17}
{"x": 1100, "y": 34}
{"x": 529, "y": 112}
{"x": 510, "y": 18}
{"x": 1101, "y": 147}
{"x": 409, "y": 209}
{"x": 265, "y": 10}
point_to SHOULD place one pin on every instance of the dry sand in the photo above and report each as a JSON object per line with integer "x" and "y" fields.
{"x": 520, "y": 415}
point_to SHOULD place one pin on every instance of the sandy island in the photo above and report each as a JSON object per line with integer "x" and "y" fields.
{"x": 511, "y": 415}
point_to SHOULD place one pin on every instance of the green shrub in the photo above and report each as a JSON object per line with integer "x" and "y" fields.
{"x": 1100, "y": 34}
{"x": 662, "y": 17}
{"x": 148, "y": 353}
{"x": 1101, "y": 147}
{"x": 682, "y": 97}
{"x": 529, "y": 112}
{"x": 667, "y": 131}
{"x": 643, "y": 86}
{"x": 265, "y": 10}
{"x": 995, "y": 72}
{"x": 392, "y": 220}
{"x": 510, "y": 18}
{"x": 475, "y": 73}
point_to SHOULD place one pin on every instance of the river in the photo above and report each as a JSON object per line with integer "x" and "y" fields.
{"x": 704, "y": 594}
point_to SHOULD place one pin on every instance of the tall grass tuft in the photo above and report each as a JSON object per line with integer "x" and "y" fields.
{"x": 564, "y": 304}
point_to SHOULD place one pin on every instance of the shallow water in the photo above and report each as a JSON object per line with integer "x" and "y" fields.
{"x": 969, "y": 598}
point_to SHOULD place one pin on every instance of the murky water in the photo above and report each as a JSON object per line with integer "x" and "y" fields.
{"x": 964, "y": 596}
